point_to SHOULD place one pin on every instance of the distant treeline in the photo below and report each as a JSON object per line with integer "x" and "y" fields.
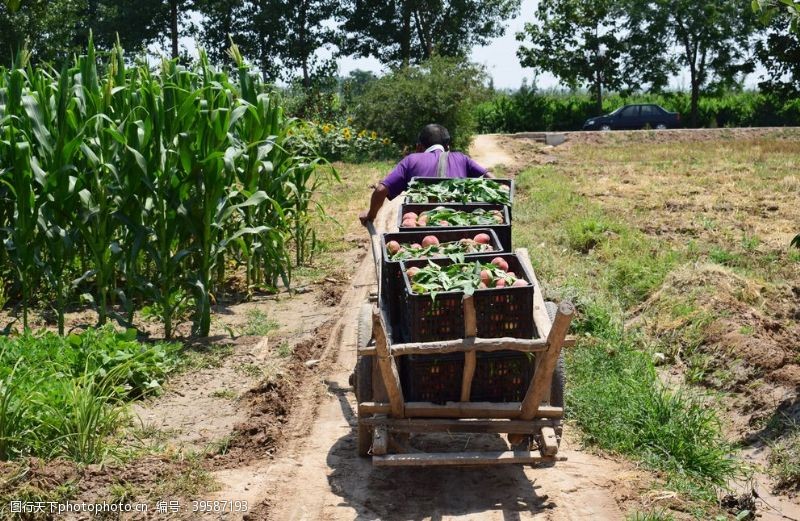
{"x": 531, "y": 110}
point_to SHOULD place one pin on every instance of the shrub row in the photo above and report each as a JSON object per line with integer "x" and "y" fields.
{"x": 531, "y": 110}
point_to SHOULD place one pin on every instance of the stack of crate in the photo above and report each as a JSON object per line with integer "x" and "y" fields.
{"x": 501, "y": 376}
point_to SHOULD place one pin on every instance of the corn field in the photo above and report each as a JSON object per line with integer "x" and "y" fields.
{"x": 123, "y": 187}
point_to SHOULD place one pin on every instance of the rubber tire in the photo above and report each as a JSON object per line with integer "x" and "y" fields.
{"x": 605, "y": 128}
{"x": 661, "y": 126}
{"x": 559, "y": 374}
{"x": 363, "y": 376}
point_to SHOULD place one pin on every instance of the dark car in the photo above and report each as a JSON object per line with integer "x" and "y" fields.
{"x": 632, "y": 117}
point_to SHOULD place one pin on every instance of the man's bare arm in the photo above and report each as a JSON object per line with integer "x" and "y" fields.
{"x": 379, "y": 195}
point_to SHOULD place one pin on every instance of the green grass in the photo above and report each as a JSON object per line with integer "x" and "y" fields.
{"x": 251, "y": 370}
{"x": 205, "y": 357}
{"x": 65, "y": 396}
{"x": 725, "y": 257}
{"x": 285, "y": 350}
{"x": 258, "y": 323}
{"x": 614, "y": 393}
{"x": 584, "y": 234}
{"x": 226, "y": 394}
{"x": 617, "y": 399}
{"x": 653, "y": 515}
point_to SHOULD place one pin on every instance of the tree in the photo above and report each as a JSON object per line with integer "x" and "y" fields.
{"x": 590, "y": 43}
{"x": 709, "y": 38}
{"x": 441, "y": 90}
{"x": 34, "y": 25}
{"x": 779, "y": 54}
{"x": 402, "y": 32}
{"x": 769, "y": 8}
{"x": 171, "y": 19}
{"x": 136, "y": 23}
{"x": 308, "y": 32}
{"x": 280, "y": 35}
{"x": 56, "y": 30}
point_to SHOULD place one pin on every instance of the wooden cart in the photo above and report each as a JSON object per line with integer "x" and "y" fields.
{"x": 385, "y": 418}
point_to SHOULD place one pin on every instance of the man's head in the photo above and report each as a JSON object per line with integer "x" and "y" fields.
{"x": 433, "y": 134}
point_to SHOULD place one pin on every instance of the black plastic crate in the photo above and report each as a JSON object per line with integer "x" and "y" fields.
{"x": 432, "y": 378}
{"x": 430, "y": 180}
{"x": 502, "y": 376}
{"x": 500, "y": 312}
{"x": 503, "y": 231}
{"x": 392, "y": 285}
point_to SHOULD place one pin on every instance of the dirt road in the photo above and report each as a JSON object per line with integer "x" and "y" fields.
{"x": 322, "y": 478}
{"x": 318, "y": 475}
{"x": 486, "y": 151}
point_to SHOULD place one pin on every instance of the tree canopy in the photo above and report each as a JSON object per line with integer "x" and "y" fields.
{"x": 404, "y": 32}
{"x": 627, "y": 44}
{"x": 590, "y": 43}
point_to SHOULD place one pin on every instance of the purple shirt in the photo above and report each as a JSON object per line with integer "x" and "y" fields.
{"x": 423, "y": 164}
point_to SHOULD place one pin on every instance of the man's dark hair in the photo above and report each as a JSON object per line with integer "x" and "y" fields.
{"x": 434, "y": 134}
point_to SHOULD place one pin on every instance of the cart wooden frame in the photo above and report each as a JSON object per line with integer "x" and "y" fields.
{"x": 386, "y": 418}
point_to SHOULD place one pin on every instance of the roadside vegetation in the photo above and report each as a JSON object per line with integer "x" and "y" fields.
{"x": 147, "y": 201}
{"x": 614, "y": 392}
{"x": 608, "y": 229}
{"x": 66, "y": 396}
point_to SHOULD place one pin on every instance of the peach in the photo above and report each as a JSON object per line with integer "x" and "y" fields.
{"x": 430, "y": 240}
{"x": 482, "y": 238}
{"x": 500, "y": 263}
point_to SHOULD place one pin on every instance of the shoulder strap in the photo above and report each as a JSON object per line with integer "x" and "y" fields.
{"x": 441, "y": 167}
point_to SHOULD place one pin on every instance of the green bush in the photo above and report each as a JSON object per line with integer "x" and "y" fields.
{"x": 441, "y": 90}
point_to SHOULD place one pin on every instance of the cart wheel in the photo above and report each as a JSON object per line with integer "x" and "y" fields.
{"x": 559, "y": 375}
{"x": 363, "y": 377}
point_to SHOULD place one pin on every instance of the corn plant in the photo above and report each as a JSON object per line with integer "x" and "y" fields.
{"x": 17, "y": 176}
{"x": 134, "y": 188}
